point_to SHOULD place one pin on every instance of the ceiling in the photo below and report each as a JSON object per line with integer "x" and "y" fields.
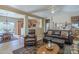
{"x": 45, "y": 10}
{"x": 10, "y": 14}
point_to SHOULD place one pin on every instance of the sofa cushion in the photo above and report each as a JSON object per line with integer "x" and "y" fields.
{"x": 49, "y": 33}
{"x": 64, "y": 34}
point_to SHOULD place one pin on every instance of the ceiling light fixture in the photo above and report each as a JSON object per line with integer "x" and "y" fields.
{"x": 53, "y": 9}
{"x": 53, "y": 12}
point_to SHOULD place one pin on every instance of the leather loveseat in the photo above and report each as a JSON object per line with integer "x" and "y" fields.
{"x": 57, "y": 34}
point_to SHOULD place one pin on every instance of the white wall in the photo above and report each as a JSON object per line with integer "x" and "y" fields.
{"x": 62, "y": 17}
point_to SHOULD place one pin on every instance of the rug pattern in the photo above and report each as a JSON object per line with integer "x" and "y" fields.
{"x": 68, "y": 49}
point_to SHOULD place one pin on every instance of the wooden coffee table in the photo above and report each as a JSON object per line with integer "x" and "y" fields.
{"x": 44, "y": 50}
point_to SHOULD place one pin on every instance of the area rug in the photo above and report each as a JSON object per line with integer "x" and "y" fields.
{"x": 32, "y": 50}
{"x": 67, "y": 49}
{"x": 29, "y": 50}
{"x": 1, "y": 41}
{"x": 71, "y": 49}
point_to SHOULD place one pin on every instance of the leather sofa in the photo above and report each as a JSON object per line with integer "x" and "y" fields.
{"x": 68, "y": 39}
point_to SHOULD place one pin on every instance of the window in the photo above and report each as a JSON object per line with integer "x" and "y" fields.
{"x": 9, "y": 27}
{"x": 75, "y": 25}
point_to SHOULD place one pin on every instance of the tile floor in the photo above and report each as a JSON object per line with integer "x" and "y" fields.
{"x": 8, "y": 47}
